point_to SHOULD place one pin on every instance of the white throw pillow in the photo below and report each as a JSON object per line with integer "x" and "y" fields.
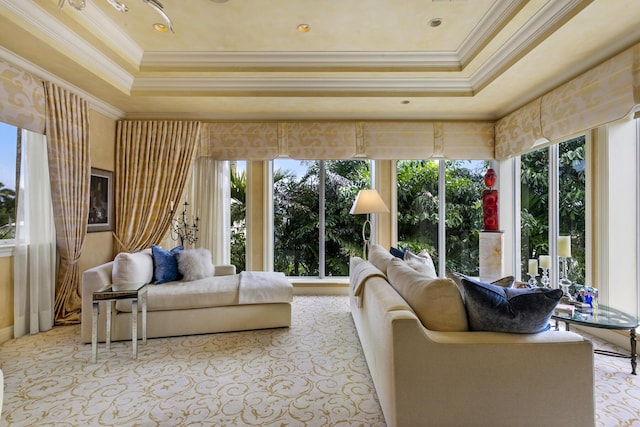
{"x": 195, "y": 264}
{"x": 131, "y": 269}
{"x": 421, "y": 263}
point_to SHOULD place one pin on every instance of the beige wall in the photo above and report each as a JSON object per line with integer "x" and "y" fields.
{"x": 6, "y": 292}
{"x": 98, "y": 247}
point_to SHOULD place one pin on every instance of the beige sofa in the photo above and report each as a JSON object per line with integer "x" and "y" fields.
{"x": 222, "y": 302}
{"x": 427, "y": 377}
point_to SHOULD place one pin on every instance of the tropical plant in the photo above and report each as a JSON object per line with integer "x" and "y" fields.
{"x": 7, "y": 212}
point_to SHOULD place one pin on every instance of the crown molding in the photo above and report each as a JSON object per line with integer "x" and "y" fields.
{"x": 73, "y": 45}
{"x": 95, "y": 103}
{"x": 553, "y": 14}
{"x": 423, "y": 61}
{"x": 490, "y": 23}
{"x": 205, "y": 86}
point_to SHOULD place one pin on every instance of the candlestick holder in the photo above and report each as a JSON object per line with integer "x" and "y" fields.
{"x": 565, "y": 283}
{"x": 544, "y": 280}
{"x": 180, "y": 228}
{"x": 533, "y": 283}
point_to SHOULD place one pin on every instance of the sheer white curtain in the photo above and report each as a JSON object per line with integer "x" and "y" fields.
{"x": 35, "y": 242}
{"x": 209, "y": 195}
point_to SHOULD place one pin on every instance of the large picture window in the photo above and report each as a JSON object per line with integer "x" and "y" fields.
{"x": 314, "y": 234}
{"x": 420, "y": 208}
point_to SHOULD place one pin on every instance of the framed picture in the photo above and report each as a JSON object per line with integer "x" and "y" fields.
{"x": 100, "y": 201}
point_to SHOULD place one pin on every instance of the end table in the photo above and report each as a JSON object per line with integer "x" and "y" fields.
{"x": 134, "y": 293}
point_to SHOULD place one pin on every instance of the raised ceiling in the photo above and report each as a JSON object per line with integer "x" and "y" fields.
{"x": 361, "y": 59}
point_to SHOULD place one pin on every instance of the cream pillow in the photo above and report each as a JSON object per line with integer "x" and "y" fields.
{"x": 421, "y": 262}
{"x": 131, "y": 269}
{"x": 195, "y": 264}
{"x": 437, "y": 302}
{"x": 379, "y": 257}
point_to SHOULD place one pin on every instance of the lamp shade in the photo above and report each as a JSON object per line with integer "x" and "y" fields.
{"x": 367, "y": 202}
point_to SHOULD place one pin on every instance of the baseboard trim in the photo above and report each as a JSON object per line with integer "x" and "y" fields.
{"x": 320, "y": 289}
{"x": 6, "y": 334}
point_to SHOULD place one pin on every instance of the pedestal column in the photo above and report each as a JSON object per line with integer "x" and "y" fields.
{"x": 491, "y": 255}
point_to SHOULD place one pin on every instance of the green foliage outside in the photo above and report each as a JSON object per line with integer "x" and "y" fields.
{"x": 7, "y": 212}
{"x": 535, "y": 204}
{"x": 238, "y": 218}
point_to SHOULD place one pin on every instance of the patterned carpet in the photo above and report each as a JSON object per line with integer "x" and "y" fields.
{"x": 312, "y": 374}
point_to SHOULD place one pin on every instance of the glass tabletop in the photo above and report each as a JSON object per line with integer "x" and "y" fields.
{"x": 123, "y": 292}
{"x": 600, "y": 317}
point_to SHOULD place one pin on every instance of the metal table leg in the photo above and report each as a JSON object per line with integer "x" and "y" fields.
{"x": 134, "y": 327}
{"x": 144, "y": 316}
{"x": 108, "y": 330}
{"x": 94, "y": 332}
{"x": 632, "y": 338}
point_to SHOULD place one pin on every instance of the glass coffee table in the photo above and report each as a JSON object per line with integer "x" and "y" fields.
{"x": 604, "y": 317}
{"x": 134, "y": 293}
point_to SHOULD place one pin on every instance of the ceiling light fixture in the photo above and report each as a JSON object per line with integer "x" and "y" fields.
{"x": 304, "y": 28}
{"x": 121, "y": 7}
{"x": 435, "y": 22}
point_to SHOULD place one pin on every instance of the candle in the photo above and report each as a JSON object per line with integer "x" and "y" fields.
{"x": 564, "y": 246}
{"x": 533, "y": 267}
{"x": 545, "y": 261}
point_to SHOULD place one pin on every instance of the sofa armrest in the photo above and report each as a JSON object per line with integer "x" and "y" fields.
{"x": 224, "y": 270}
{"x": 93, "y": 279}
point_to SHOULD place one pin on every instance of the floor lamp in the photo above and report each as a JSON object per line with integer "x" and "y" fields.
{"x": 367, "y": 202}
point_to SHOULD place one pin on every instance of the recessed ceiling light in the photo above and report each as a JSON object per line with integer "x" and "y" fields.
{"x": 160, "y": 27}
{"x": 406, "y": 101}
{"x": 435, "y": 22}
{"x": 304, "y": 28}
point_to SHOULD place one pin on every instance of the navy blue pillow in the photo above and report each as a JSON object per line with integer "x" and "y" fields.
{"x": 495, "y": 308}
{"x": 399, "y": 253}
{"x": 165, "y": 264}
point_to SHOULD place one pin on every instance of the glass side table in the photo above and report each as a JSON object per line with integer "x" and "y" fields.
{"x": 604, "y": 317}
{"x": 134, "y": 293}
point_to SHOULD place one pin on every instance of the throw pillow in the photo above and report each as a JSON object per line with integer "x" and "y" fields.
{"x": 398, "y": 253}
{"x": 165, "y": 264}
{"x": 131, "y": 269}
{"x": 505, "y": 282}
{"x": 195, "y": 264}
{"x": 436, "y": 302}
{"x": 495, "y": 308}
{"x": 421, "y": 263}
{"x": 379, "y": 257}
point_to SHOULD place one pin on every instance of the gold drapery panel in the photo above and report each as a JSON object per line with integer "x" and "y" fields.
{"x": 325, "y": 140}
{"x": 67, "y": 130}
{"x": 153, "y": 163}
{"x": 21, "y": 98}
{"x": 604, "y": 94}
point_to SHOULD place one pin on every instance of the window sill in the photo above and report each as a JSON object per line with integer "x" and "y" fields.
{"x": 6, "y": 250}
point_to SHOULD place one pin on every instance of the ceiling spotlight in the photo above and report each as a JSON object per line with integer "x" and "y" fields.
{"x": 161, "y": 28}
{"x": 435, "y": 22}
{"x": 304, "y": 28}
{"x": 405, "y": 101}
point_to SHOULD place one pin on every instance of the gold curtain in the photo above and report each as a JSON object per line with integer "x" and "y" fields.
{"x": 153, "y": 162}
{"x": 67, "y": 130}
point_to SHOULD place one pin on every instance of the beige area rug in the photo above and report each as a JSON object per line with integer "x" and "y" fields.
{"x": 312, "y": 374}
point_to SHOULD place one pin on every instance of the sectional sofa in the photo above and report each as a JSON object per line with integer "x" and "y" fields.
{"x": 430, "y": 369}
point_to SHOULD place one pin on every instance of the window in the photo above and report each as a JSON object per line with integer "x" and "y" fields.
{"x": 8, "y": 147}
{"x": 314, "y": 234}
{"x": 238, "y": 214}
{"x": 419, "y": 202}
{"x": 566, "y": 205}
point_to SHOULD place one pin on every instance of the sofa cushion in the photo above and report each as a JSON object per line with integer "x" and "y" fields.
{"x": 421, "y": 262}
{"x": 131, "y": 269}
{"x": 195, "y": 264}
{"x": 165, "y": 264}
{"x": 209, "y": 292}
{"x": 380, "y": 257}
{"x": 437, "y": 302}
{"x": 498, "y": 309}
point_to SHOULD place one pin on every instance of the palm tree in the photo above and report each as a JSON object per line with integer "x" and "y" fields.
{"x": 7, "y": 212}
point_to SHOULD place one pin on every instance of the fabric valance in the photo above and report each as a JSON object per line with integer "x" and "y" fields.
{"x": 21, "y": 98}
{"x": 604, "y": 94}
{"x": 335, "y": 140}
